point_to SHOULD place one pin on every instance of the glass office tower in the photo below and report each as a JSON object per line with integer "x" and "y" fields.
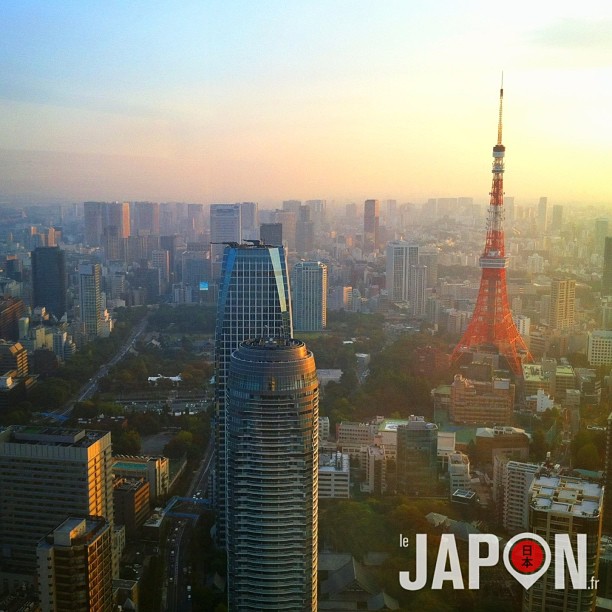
{"x": 253, "y": 302}
{"x": 272, "y": 406}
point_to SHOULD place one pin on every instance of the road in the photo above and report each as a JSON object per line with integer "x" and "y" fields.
{"x": 90, "y": 387}
{"x": 179, "y": 575}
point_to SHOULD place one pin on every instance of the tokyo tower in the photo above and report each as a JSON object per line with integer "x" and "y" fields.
{"x": 491, "y": 328}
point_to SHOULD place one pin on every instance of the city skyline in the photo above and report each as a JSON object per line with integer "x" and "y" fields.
{"x": 223, "y": 103}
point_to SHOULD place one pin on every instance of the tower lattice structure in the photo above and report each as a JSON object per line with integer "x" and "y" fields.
{"x": 491, "y": 327}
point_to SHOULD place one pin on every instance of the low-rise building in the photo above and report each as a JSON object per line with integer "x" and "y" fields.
{"x": 501, "y": 440}
{"x": 155, "y": 470}
{"x": 459, "y": 472}
{"x": 131, "y": 503}
{"x": 482, "y": 402}
{"x": 334, "y": 476}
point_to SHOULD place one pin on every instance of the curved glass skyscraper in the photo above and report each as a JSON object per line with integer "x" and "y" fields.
{"x": 253, "y": 302}
{"x": 272, "y": 405}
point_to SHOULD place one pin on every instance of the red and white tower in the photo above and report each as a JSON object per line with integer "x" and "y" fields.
{"x": 491, "y": 328}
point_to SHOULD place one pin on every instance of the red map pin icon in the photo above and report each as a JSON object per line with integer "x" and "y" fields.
{"x": 527, "y": 556}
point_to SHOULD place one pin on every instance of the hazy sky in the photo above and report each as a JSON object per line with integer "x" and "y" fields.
{"x": 269, "y": 100}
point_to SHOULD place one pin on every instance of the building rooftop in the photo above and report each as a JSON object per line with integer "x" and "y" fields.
{"x": 333, "y": 462}
{"x": 413, "y": 422}
{"x": 566, "y": 495}
{"x": 51, "y": 436}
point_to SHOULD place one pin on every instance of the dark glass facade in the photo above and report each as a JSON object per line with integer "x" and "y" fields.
{"x": 253, "y": 302}
{"x": 49, "y": 280}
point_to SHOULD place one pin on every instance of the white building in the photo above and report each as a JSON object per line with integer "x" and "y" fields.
{"x": 334, "y": 476}
{"x": 401, "y": 256}
{"x": 459, "y": 471}
{"x": 323, "y": 429}
{"x": 374, "y": 462}
{"x": 517, "y": 478}
{"x": 599, "y": 347}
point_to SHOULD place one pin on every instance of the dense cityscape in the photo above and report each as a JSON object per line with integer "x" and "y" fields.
{"x": 148, "y": 450}
{"x": 277, "y": 334}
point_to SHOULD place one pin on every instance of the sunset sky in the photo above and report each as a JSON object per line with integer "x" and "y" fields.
{"x": 270, "y": 100}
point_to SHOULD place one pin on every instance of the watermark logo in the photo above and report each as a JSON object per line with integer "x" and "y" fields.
{"x": 527, "y": 556}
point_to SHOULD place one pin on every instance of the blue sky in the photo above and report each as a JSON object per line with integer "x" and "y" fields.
{"x": 224, "y": 101}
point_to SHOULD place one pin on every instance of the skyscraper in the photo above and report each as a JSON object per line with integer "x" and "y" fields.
{"x": 107, "y": 224}
{"x": 271, "y": 233}
{"x": 144, "y": 218}
{"x": 606, "y": 279}
{"x": 254, "y": 302}
{"x": 401, "y": 256}
{"x": 225, "y": 226}
{"x": 562, "y": 303}
{"x": 250, "y": 220}
{"x": 371, "y": 214}
{"x": 309, "y": 295}
{"x": 46, "y": 475}
{"x": 272, "y": 486}
{"x": 418, "y": 284}
{"x": 542, "y": 214}
{"x": 90, "y": 298}
{"x": 601, "y": 233}
{"x": 564, "y": 505}
{"x": 49, "y": 280}
{"x": 556, "y": 223}
{"x": 75, "y": 566}
{"x": 288, "y": 220}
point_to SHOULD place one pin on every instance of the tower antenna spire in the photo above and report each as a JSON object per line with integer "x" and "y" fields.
{"x": 501, "y": 107}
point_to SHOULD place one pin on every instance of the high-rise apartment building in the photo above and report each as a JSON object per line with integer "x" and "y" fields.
{"x": 371, "y": 220}
{"x": 417, "y": 457}
{"x": 516, "y": 482}
{"x": 562, "y": 303}
{"x": 253, "y": 302}
{"x": 606, "y": 279}
{"x": 428, "y": 256}
{"x": 418, "y": 284}
{"x": 225, "y": 226}
{"x": 160, "y": 258}
{"x": 556, "y": 223}
{"x": 288, "y": 220}
{"x": 49, "y": 280}
{"x": 309, "y": 296}
{"x": 272, "y": 483}
{"x": 564, "y": 505}
{"x": 601, "y": 233}
{"x": 401, "y": 256}
{"x": 250, "y": 220}
{"x": 607, "y": 518}
{"x": 75, "y": 567}
{"x": 542, "y": 214}
{"x": 90, "y": 298}
{"x": 304, "y": 230}
{"x": 46, "y": 475}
